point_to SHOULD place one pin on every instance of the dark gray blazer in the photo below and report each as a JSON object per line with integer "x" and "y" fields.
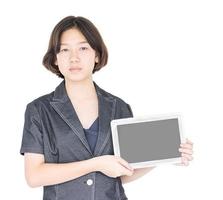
{"x": 52, "y": 128}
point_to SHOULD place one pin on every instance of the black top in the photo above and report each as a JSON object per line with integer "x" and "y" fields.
{"x": 92, "y": 134}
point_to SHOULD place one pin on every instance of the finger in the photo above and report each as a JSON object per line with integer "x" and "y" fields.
{"x": 186, "y": 145}
{"x": 124, "y": 163}
{"x": 184, "y": 161}
{"x": 187, "y": 151}
{"x": 188, "y": 141}
{"x": 127, "y": 172}
{"x": 188, "y": 157}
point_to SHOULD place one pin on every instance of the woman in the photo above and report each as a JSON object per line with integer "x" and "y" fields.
{"x": 67, "y": 138}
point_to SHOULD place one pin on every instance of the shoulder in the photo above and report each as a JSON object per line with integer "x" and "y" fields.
{"x": 121, "y": 104}
{"x": 45, "y": 99}
{"x": 108, "y": 95}
{"x": 41, "y": 101}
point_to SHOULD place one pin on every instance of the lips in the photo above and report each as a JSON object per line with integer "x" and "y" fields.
{"x": 74, "y": 69}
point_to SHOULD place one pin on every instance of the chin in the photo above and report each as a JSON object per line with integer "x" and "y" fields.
{"x": 77, "y": 78}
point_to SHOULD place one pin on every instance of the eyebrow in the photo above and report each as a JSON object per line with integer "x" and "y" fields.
{"x": 83, "y": 42}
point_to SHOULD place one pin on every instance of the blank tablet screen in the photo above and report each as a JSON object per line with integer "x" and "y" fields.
{"x": 147, "y": 141}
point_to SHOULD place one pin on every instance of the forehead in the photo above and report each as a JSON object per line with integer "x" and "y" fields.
{"x": 72, "y": 36}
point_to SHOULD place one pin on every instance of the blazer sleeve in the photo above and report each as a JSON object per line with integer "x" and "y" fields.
{"x": 126, "y": 111}
{"x": 130, "y": 110}
{"x": 32, "y": 139}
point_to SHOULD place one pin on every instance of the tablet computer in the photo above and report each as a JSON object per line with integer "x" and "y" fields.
{"x": 147, "y": 141}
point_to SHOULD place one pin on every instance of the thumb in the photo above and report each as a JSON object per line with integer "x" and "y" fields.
{"x": 125, "y": 164}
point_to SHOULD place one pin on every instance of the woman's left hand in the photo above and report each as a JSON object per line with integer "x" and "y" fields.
{"x": 186, "y": 150}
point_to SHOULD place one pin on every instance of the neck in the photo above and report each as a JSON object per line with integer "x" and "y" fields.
{"x": 80, "y": 90}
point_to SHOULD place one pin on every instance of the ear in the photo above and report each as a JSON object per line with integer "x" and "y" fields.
{"x": 96, "y": 59}
{"x": 56, "y": 63}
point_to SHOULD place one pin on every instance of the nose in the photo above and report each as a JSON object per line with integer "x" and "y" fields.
{"x": 74, "y": 56}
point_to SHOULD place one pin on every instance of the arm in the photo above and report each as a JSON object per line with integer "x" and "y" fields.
{"x": 38, "y": 173}
{"x": 136, "y": 174}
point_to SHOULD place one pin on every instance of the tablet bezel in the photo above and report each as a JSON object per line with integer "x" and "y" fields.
{"x": 132, "y": 120}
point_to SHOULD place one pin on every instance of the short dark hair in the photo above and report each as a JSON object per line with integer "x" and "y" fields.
{"x": 90, "y": 32}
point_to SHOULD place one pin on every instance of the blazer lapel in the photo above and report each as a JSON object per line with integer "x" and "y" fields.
{"x": 63, "y": 106}
{"x": 106, "y": 107}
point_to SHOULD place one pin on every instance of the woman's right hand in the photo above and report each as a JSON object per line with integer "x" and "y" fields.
{"x": 112, "y": 166}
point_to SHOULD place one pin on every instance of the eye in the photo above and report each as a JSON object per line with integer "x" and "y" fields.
{"x": 64, "y": 50}
{"x": 83, "y": 48}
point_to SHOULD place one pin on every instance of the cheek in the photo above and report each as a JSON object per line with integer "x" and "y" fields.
{"x": 62, "y": 62}
{"x": 89, "y": 60}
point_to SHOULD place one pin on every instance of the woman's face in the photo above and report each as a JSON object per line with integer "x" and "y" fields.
{"x": 76, "y": 58}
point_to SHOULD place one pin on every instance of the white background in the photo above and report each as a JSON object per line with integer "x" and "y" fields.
{"x": 164, "y": 57}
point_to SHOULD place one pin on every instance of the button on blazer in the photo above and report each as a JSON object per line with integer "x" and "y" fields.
{"x": 52, "y": 128}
